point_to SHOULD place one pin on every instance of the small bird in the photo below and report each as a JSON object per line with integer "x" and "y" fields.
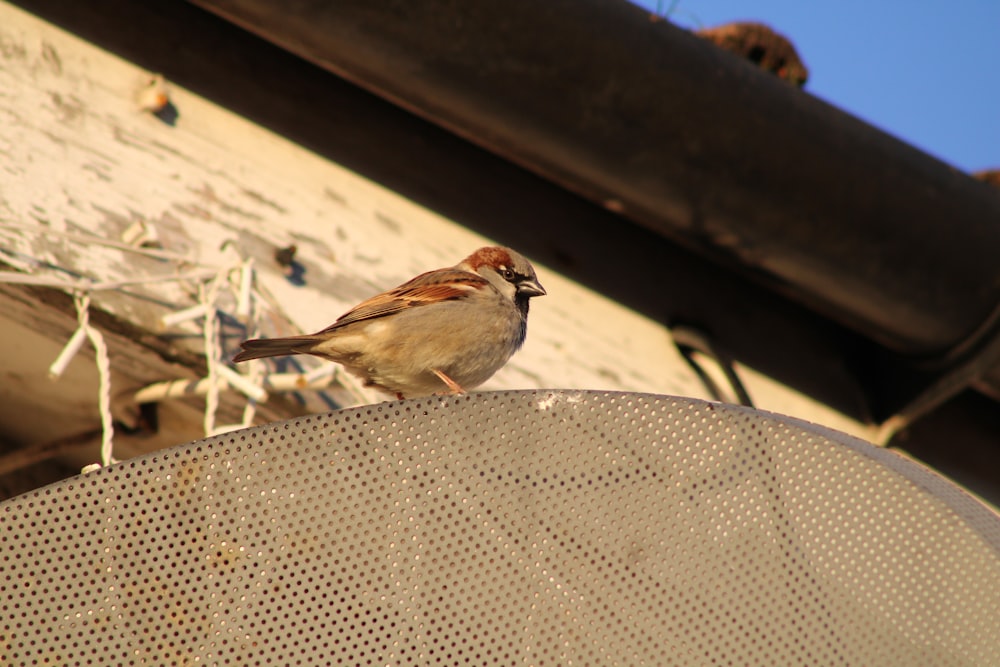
{"x": 443, "y": 332}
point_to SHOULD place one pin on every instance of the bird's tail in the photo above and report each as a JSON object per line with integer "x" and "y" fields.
{"x": 258, "y": 348}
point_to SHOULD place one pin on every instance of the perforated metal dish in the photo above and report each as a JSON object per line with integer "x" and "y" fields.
{"x": 535, "y": 528}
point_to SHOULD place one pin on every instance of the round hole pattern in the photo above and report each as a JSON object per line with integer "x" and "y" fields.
{"x": 509, "y": 528}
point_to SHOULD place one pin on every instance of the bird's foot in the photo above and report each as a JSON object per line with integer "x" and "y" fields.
{"x": 454, "y": 387}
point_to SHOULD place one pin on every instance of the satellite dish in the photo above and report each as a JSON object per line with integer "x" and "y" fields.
{"x": 536, "y": 527}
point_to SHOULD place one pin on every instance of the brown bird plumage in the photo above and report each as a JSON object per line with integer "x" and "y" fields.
{"x": 444, "y": 331}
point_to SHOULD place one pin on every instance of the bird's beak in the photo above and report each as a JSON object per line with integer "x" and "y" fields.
{"x": 530, "y": 288}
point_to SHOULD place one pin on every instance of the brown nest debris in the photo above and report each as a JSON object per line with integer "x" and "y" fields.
{"x": 760, "y": 44}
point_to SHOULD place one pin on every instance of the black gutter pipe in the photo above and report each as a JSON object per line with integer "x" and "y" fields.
{"x": 648, "y": 120}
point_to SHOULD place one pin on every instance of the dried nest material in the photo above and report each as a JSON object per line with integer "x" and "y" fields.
{"x": 760, "y": 44}
{"x": 154, "y": 95}
{"x": 990, "y": 176}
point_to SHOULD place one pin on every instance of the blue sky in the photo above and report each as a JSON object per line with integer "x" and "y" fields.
{"x": 926, "y": 72}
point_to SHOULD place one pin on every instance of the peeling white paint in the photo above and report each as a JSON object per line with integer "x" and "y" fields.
{"x": 548, "y": 402}
{"x": 78, "y": 158}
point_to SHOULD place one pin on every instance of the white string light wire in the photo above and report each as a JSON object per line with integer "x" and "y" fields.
{"x": 208, "y": 294}
{"x": 257, "y": 372}
{"x": 104, "y": 373}
{"x": 240, "y": 278}
{"x": 86, "y": 331}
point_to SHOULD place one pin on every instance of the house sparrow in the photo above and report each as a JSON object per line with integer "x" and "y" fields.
{"x": 445, "y": 331}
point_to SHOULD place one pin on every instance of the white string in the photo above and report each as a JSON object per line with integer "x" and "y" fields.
{"x": 213, "y": 348}
{"x": 82, "y": 303}
{"x": 241, "y": 284}
{"x": 91, "y": 285}
{"x": 257, "y": 372}
{"x": 240, "y": 279}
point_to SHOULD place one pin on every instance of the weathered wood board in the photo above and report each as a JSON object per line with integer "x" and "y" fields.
{"x": 81, "y": 165}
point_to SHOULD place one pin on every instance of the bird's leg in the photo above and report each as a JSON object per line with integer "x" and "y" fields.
{"x": 452, "y": 385}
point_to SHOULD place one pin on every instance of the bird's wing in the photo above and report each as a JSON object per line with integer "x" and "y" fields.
{"x": 427, "y": 288}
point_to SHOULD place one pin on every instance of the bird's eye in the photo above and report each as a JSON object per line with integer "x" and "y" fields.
{"x": 507, "y": 274}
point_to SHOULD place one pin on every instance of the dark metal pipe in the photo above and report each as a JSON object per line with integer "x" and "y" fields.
{"x": 688, "y": 140}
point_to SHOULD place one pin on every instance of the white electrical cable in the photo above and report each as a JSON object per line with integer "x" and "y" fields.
{"x": 58, "y": 367}
{"x": 213, "y": 350}
{"x": 272, "y": 383}
{"x": 244, "y": 294}
{"x": 88, "y": 285}
{"x": 241, "y": 383}
{"x": 69, "y": 351}
{"x": 241, "y": 280}
{"x": 257, "y": 372}
{"x": 185, "y": 315}
{"x": 104, "y": 373}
